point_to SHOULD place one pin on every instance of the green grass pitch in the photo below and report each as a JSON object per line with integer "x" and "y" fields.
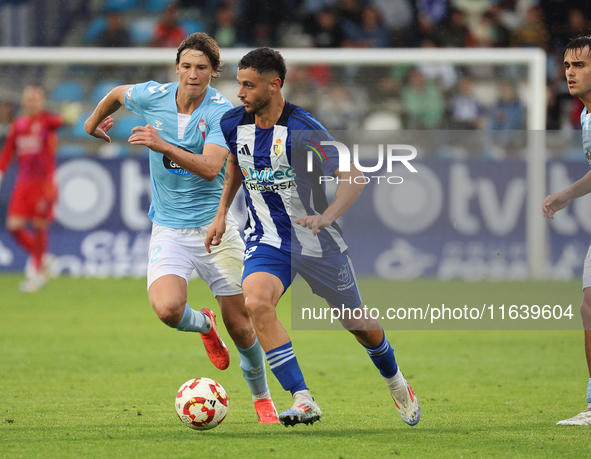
{"x": 87, "y": 370}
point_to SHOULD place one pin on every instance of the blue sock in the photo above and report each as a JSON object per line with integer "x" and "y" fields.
{"x": 589, "y": 391}
{"x": 252, "y": 363}
{"x": 193, "y": 321}
{"x": 284, "y": 366}
{"x": 383, "y": 358}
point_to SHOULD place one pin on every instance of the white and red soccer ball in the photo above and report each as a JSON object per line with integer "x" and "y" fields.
{"x": 201, "y": 403}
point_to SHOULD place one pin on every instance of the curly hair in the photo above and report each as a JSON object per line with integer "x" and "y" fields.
{"x": 265, "y": 60}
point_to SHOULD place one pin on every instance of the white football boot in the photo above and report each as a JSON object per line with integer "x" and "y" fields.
{"x": 304, "y": 410}
{"x": 581, "y": 419}
{"x": 404, "y": 398}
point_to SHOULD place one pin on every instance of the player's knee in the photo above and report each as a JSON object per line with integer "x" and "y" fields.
{"x": 257, "y": 306}
{"x": 169, "y": 312}
{"x": 13, "y": 225}
{"x": 586, "y": 310}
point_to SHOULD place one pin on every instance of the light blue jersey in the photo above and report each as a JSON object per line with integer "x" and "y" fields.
{"x": 179, "y": 198}
{"x": 586, "y": 132}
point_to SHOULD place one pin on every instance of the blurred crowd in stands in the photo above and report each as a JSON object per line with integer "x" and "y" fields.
{"x": 426, "y": 96}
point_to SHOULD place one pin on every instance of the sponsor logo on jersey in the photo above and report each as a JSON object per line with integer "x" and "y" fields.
{"x": 128, "y": 92}
{"x": 173, "y": 167}
{"x": 278, "y": 148}
{"x": 273, "y": 188}
{"x": 267, "y": 175}
{"x": 158, "y": 124}
{"x": 29, "y": 144}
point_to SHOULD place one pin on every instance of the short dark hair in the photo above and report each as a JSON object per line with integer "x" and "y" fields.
{"x": 200, "y": 41}
{"x": 579, "y": 43}
{"x": 265, "y": 60}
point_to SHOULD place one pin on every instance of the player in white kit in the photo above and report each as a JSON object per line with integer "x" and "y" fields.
{"x": 577, "y": 66}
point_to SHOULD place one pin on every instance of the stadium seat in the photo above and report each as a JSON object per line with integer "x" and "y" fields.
{"x": 157, "y": 6}
{"x": 103, "y": 88}
{"x": 142, "y": 31}
{"x": 192, "y": 26}
{"x": 69, "y": 150}
{"x": 68, "y": 90}
{"x": 111, "y": 150}
{"x": 77, "y": 131}
{"x": 120, "y": 5}
{"x": 573, "y": 154}
{"x": 381, "y": 121}
{"x": 123, "y": 125}
{"x": 94, "y": 30}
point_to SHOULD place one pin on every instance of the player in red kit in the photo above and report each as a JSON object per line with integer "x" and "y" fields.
{"x": 32, "y": 141}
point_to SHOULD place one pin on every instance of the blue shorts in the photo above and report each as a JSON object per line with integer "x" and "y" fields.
{"x": 331, "y": 278}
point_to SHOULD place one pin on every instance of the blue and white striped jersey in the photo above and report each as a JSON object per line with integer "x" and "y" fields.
{"x": 276, "y": 184}
{"x": 586, "y": 132}
{"x": 179, "y": 198}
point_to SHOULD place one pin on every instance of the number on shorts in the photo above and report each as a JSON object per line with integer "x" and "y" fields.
{"x": 248, "y": 252}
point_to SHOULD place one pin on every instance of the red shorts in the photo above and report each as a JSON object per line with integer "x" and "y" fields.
{"x": 33, "y": 199}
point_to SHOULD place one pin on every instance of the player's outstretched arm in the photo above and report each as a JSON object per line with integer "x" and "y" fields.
{"x": 206, "y": 165}
{"x": 347, "y": 193}
{"x": 557, "y": 201}
{"x": 232, "y": 183}
{"x": 98, "y": 124}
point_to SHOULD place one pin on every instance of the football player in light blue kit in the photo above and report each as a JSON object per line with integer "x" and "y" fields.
{"x": 577, "y": 66}
{"x": 187, "y": 155}
{"x": 291, "y": 229}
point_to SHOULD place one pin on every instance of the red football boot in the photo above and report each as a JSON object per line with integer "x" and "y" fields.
{"x": 215, "y": 347}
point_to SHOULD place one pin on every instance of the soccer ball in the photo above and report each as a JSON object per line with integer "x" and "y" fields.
{"x": 201, "y": 403}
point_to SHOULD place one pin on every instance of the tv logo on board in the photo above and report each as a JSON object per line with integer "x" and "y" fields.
{"x": 345, "y": 160}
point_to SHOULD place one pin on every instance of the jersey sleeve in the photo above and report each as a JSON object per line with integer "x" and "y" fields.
{"x": 8, "y": 150}
{"x": 54, "y": 121}
{"x": 215, "y": 134}
{"x": 228, "y": 125}
{"x": 308, "y": 135}
{"x": 136, "y": 96}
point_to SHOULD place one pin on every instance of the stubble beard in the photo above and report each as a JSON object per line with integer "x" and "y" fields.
{"x": 255, "y": 108}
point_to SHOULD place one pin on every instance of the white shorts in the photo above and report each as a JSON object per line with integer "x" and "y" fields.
{"x": 180, "y": 251}
{"x": 587, "y": 270}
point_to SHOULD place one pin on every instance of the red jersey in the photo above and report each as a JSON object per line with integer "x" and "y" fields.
{"x": 33, "y": 140}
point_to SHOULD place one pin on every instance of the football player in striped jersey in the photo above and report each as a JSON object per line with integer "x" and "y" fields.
{"x": 292, "y": 229}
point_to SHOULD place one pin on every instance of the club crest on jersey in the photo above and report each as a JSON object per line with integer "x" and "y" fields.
{"x": 588, "y": 156}
{"x": 202, "y": 127}
{"x": 278, "y": 148}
